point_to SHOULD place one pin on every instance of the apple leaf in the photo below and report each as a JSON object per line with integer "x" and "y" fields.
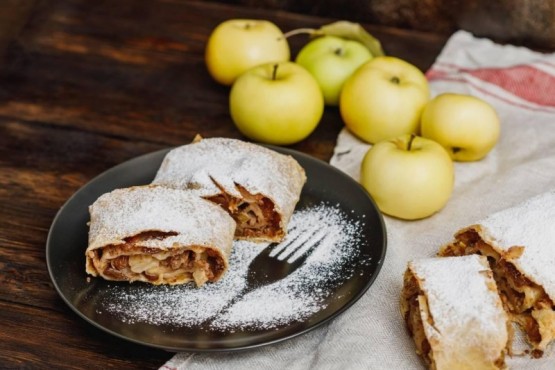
{"x": 345, "y": 29}
{"x": 351, "y": 31}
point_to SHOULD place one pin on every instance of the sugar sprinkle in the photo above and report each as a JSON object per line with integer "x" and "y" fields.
{"x": 294, "y": 298}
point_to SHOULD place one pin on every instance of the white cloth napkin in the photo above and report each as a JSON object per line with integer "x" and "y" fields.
{"x": 520, "y": 84}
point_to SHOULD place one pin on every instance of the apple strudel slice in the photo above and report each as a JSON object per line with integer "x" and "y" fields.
{"x": 454, "y": 314}
{"x": 159, "y": 236}
{"x": 519, "y": 243}
{"x": 257, "y": 186}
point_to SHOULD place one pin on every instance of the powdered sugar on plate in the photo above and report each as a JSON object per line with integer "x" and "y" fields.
{"x": 294, "y": 298}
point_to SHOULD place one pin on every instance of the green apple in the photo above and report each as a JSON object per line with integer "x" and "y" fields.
{"x": 239, "y": 44}
{"x": 409, "y": 177}
{"x": 384, "y": 98}
{"x": 276, "y": 103}
{"x": 331, "y": 60}
{"x": 466, "y": 126}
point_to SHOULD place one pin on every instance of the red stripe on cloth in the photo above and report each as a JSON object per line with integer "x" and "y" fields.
{"x": 492, "y": 94}
{"x": 525, "y": 81}
{"x": 434, "y": 74}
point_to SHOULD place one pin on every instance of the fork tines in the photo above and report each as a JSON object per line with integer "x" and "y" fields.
{"x": 299, "y": 244}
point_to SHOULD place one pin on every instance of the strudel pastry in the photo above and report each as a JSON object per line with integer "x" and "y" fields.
{"x": 257, "y": 186}
{"x": 519, "y": 244}
{"x": 454, "y": 314}
{"x": 159, "y": 236}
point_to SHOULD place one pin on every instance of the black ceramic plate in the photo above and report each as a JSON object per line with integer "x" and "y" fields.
{"x": 67, "y": 242}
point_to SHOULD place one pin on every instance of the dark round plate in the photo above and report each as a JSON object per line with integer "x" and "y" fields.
{"x": 67, "y": 241}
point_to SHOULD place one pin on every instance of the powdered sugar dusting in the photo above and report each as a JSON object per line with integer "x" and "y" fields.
{"x": 229, "y": 162}
{"x": 294, "y": 298}
{"x": 127, "y": 212}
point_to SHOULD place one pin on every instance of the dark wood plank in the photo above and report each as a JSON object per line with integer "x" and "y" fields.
{"x": 32, "y": 338}
{"x": 43, "y": 165}
{"x": 13, "y": 17}
{"x": 95, "y": 67}
{"x": 527, "y": 23}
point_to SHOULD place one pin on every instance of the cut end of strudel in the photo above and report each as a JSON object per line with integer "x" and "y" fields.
{"x": 454, "y": 314}
{"x": 159, "y": 236}
{"x": 257, "y": 186}
{"x": 519, "y": 244}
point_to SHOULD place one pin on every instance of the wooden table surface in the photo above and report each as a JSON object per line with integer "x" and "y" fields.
{"x": 85, "y": 85}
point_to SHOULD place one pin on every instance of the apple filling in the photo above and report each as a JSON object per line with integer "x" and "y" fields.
{"x": 413, "y": 301}
{"x": 526, "y": 301}
{"x": 254, "y": 214}
{"x": 133, "y": 262}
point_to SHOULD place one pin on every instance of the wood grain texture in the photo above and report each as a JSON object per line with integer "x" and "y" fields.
{"x": 35, "y": 338}
{"x": 84, "y": 66}
{"x": 86, "y": 85}
{"x": 527, "y": 22}
{"x": 13, "y": 17}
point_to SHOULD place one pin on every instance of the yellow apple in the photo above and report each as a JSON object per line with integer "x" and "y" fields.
{"x": 384, "y": 98}
{"x": 331, "y": 60}
{"x": 466, "y": 126}
{"x": 276, "y": 103}
{"x": 239, "y": 44}
{"x": 409, "y": 177}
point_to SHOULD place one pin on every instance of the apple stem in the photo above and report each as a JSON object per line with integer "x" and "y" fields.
{"x": 299, "y": 31}
{"x": 409, "y": 145}
{"x": 395, "y": 80}
{"x": 338, "y": 51}
{"x": 274, "y": 72}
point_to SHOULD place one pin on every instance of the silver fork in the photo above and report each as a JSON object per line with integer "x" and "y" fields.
{"x": 278, "y": 260}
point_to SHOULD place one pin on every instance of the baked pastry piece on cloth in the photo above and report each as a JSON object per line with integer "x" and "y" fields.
{"x": 158, "y": 235}
{"x": 520, "y": 245}
{"x": 454, "y": 314}
{"x": 257, "y": 186}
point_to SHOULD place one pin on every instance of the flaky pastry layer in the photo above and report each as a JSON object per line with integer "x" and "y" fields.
{"x": 526, "y": 301}
{"x": 453, "y": 313}
{"x": 158, "y": 235}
